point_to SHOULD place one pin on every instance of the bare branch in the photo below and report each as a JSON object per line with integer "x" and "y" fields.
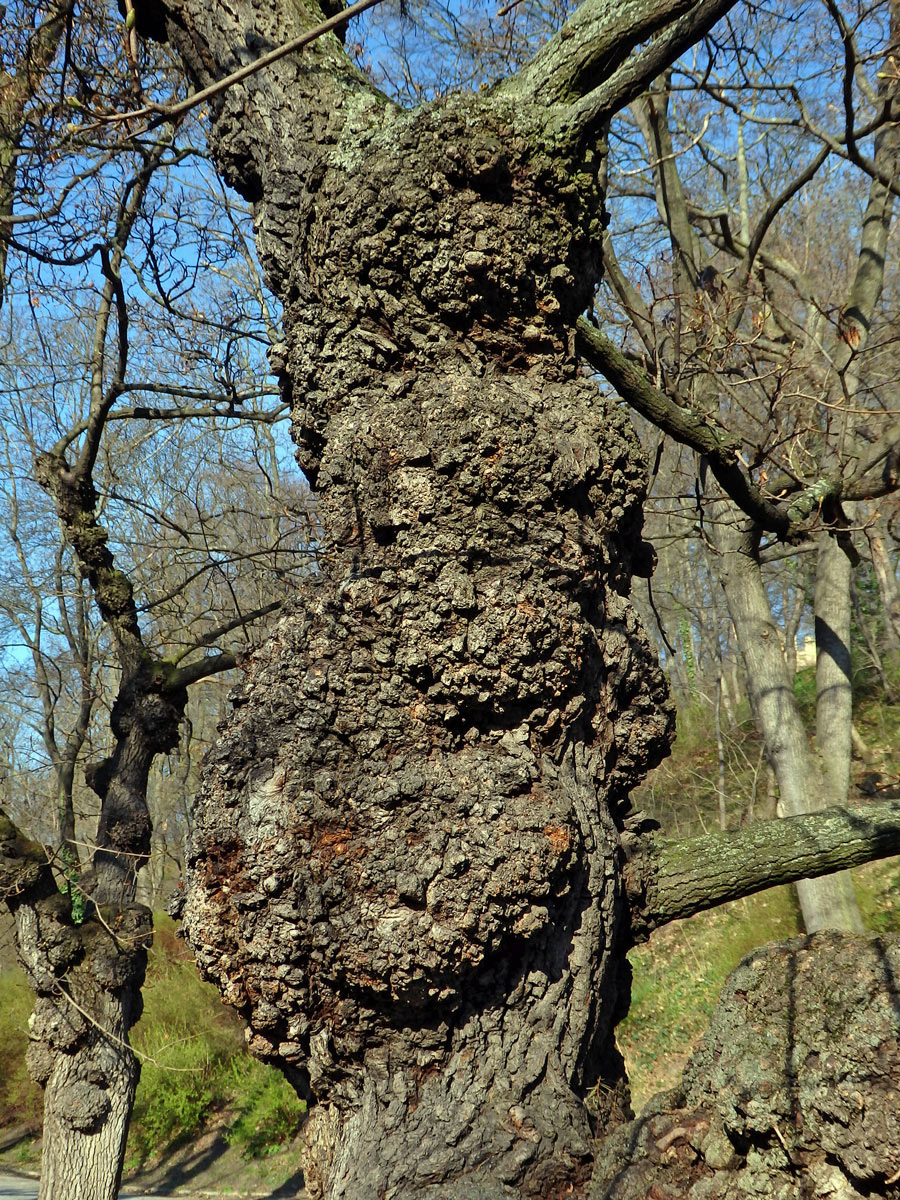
{"x": 719, "y": 447}
{"x": 668, "y": 881}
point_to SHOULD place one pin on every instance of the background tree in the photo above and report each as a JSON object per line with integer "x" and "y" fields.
{"x": 405, "y": 870}
{"x": 138, "y": 405}
{"x": 792, "y": 359}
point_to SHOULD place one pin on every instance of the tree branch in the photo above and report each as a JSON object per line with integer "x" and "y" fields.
{"x": 719, "y": 447}
{"x": 212, "y": 664}
{"x": 242, "y": 619}
{"x": 667, "y": 881}
{"x": 625, "y": 78}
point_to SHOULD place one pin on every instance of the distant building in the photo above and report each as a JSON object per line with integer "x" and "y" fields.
{"x": 806, "y": 653}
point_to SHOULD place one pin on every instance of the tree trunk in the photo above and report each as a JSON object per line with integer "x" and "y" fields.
{"x": 87, "y": 980}
{"x": 404, "y": 871}
{"x": 887, "y": 586}
{"x": 827, "y": 903}
{"x": 87, "y": 973}
{"x": 834, "y": 684}
{"x": 78, "y": 1045}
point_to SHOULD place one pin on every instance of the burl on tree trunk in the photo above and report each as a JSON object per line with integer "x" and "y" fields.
{"x": 406, "y": 870}
{"x": 793, "y": 1093}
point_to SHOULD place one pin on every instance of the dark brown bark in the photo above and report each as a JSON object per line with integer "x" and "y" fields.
{"x": 404, "y": 871}
{"x": 404, "y": 865}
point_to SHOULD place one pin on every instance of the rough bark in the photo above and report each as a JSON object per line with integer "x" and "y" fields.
{"x": 406, "y": 845}
{"x": 87, "y": 973}
{"x": 792, "y": 1092}
{"x": 667, "y": 880}
{"x": 404, "y": 871}
{"x": 87, "y": 981}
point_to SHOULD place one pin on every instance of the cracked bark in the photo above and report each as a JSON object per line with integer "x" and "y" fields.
{"x": 792, "y": 1092}
{"x": 405, "y": 866}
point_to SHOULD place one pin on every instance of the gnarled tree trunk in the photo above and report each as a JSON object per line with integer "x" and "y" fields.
{"x": 87, "y": 974}
{"x": 405, "y": 868}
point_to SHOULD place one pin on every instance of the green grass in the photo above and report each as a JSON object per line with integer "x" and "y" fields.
{"x": 678, "y": 975}
{"x": 21, "y": 1100}
{"x": 195, "y": 1070}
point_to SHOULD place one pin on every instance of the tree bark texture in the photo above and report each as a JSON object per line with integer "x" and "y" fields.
{"x": 887, "y": 583}
{"x": 405, "y": 869}
{"x": 791, "y": 1094}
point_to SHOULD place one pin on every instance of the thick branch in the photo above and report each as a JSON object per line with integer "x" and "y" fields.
{"x": 668, "y": 881}
{"x": 596, "y": 40}
{"x": 626, "y": 77}
{"x": 212, "y": 664}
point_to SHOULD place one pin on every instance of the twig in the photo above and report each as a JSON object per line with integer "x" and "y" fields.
{"x": 116, "y": 1040}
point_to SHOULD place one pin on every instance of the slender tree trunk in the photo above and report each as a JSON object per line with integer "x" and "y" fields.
{"x": 834, "y": 717}
{"x": 720, "y": 753}
{"x": 834, "y": 685}
{"x": 85, "y": 953}
{"x": 825, "y": 903}
{"x": 887, "y": 586}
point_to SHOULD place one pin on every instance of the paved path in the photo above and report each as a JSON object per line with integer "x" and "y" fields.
{"x": 11, "y": 1186}
{"x": 17, "y": 1187}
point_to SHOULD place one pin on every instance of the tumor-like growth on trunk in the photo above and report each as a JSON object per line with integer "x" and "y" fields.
{"x": 405, "y": 870}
